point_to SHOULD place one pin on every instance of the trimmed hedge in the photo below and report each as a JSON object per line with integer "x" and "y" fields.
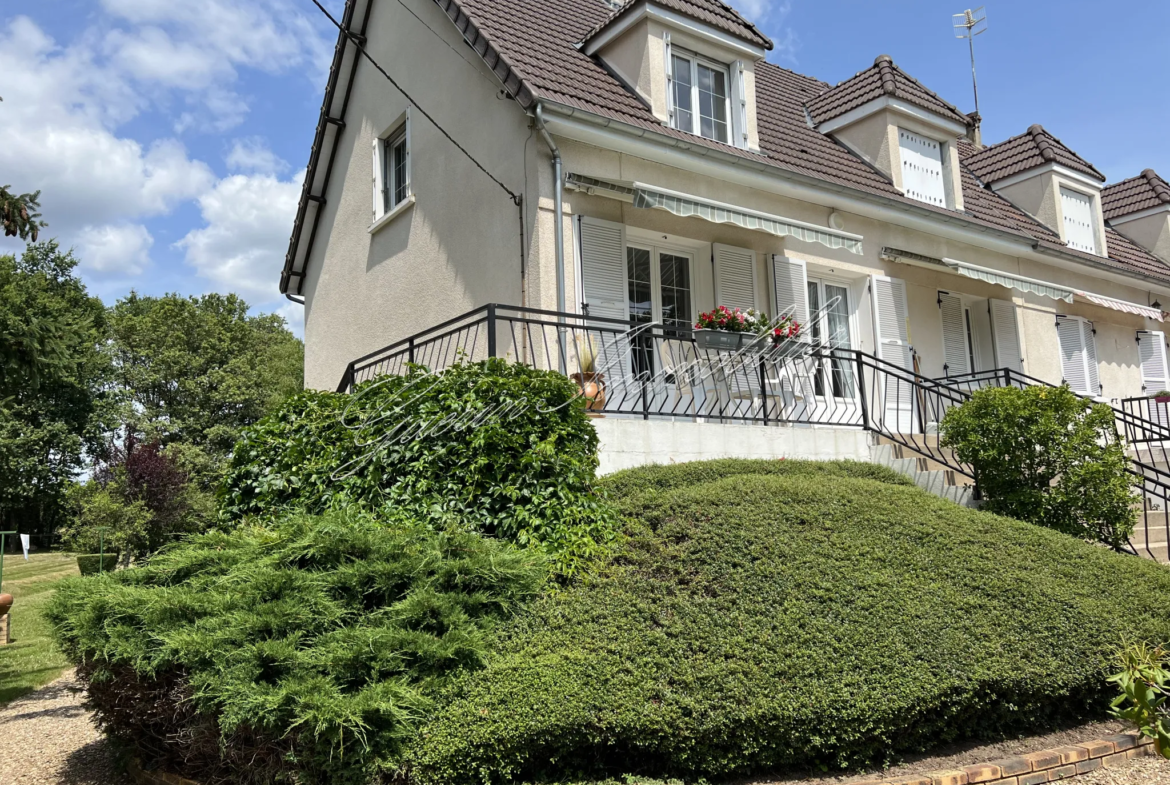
{"x": 307, "y": 652}
{"x": 96, "y": 563}
{"x": 494, "y": 447}
{"x": 756, "y": 623}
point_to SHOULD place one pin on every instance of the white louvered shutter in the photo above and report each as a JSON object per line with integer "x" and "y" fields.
{"x": 1078, "y": 220}
{"x": 669, "y": 79}
{"x": 1006, "y": 331}
{"x": 1152, "y": 351}
{"x": 790, "y": 288}
{"x": 1074, "y": 356}
{"x": 956, "y": 358}
{"x": 892, "y": 333}
{"x": 741, "y": 109}
{"x": 603, "y": 268}
{"x": 922, "y": 168}
{"x": 377, "y": 181}
{"x": 735, "y": 276}
{"x": 1091, "y": 369}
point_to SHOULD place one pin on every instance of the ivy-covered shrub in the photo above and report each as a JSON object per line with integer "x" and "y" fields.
{"x": 303, "y": 652}
{"x": 759, "y": 623}
{"x": 493, "y": 447}
{"x": 1049, "y": 457}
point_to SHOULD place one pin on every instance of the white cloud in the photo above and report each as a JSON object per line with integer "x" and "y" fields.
{"x": 242, "y": 247}
{"x": 294, "y": 315}
{"x": 115, "y": 248}
{"x": 771, "y": 16}
{"x": 253, "y": 155}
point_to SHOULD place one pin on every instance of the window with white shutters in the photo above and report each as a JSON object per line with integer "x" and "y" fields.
{"x": 956, "y": 353}
{"x": 1078, "y": 355}
{"x": 1006, "y": 333}
{"x": 790, "y": 288}
{"x": 735, "y": 276}
{"x": 895, "y": 403}
{"x": 1079, "y": 226}
{"x": 1152, "y": 352}
{"x": 603, "y": 268}
{"x": 922, "y": 168}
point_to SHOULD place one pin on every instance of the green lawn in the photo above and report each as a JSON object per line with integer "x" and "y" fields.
{"x": 31, "y": 660}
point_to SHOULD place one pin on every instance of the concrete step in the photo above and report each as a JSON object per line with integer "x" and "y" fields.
{"x": 941, "y": 482}
{"x": 1158, "y": 553}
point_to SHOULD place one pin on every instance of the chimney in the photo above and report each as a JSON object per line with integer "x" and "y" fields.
{"x": 974, "y": 134}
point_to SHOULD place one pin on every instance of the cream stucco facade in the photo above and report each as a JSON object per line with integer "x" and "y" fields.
{"x": 463, "y": 242}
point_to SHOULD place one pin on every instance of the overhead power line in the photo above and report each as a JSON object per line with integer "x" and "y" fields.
{"x": 516, "y": 198}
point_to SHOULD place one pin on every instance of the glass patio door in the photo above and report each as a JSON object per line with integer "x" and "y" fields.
{"x": 832, "y": 375}
{"x": 660, "y": 290}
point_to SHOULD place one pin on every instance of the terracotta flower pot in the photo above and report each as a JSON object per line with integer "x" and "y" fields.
{"x": 5, "y": 603}
{"x": 592, "y": 389}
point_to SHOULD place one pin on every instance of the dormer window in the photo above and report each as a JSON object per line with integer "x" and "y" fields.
{"x": 922, "y": 168}
{"x": 701, "y": 99}
{"x": 1079, "y": 225}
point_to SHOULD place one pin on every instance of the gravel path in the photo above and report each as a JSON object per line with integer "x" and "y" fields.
{"x": 49, "y": 740}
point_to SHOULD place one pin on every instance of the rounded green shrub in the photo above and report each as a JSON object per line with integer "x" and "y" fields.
{"x": 96, "y": 563}
{"x": 493, "y": 447}
{"x": 807, "y": 618}
{"x": 306, "y": 651}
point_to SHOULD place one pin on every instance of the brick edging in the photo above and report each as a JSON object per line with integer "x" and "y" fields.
{"x": 1053, "y": 765}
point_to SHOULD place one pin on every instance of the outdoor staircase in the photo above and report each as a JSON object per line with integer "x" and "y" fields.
{"x": 1151, "y": 542}
{"x": 927, "y": 473}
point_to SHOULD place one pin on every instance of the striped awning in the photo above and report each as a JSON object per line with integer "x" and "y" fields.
{"x": 1023, "y": 284}
{"x": 1123, "y": 306}
{"x": 687, "y": 206}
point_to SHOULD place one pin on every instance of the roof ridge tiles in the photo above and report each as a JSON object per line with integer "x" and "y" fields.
{"x": 1160, "y": 187}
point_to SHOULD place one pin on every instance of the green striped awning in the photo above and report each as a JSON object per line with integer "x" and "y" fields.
{"x": 687, "y": 206}
{"x": 1019, "y": 282}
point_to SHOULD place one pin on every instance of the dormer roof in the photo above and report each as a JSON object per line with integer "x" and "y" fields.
{"x": 712, "y": 12}
{"x": 884, "y": 79}
{"x": 1031, "y": 149}
{"x": 1143, "y": 192}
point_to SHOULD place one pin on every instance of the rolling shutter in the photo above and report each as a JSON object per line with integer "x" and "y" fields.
{"x": 1006, "y": 332}
{"x": 735, "y": 276}
{"x": 1152, "y": 351}
{"x": 922, "y": 168}
{"x": 1078, "y": 220}
{"x": 603, "y": 268}
{"x": 790, "y": 288}
{"x": 956, "y": 358}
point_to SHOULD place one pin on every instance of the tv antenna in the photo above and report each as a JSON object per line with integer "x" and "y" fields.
{"x": 968, "y": 25}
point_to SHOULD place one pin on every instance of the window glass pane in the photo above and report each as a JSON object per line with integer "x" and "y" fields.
{"x": 713, "y": 103}
{"x": 676, "y": 290}
{"x": 641, "y": 310}
{"x": 837, "y": 322}
{"x": 387, "y": 176}
{"x": 399, "y": 162}
{"x": 684, "y": 117}
{"x": 814, "y": 310}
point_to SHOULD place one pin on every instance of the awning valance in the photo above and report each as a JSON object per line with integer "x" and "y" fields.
{"x": 685, "y": 205}
{"x": 1019, "y": 282}
{"x": 1123, "y": 306}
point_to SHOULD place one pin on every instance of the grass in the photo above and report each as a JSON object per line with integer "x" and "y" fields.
{"x": 31, "y": 660}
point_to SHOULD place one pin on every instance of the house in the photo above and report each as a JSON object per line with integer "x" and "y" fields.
{"x": 594, "y": 164}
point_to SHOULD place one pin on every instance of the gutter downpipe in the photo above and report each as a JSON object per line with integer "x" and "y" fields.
{"x": 558, "y": 226}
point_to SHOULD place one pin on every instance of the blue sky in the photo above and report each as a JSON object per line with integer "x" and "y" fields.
{"x": 169, "y": 138}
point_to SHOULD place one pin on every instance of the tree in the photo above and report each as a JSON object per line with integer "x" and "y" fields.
{"x": 55, "y": 400}
{"x": 197, "y": 370}
{"x": 1047, "y": 456}
{"x": 19, "y": 214}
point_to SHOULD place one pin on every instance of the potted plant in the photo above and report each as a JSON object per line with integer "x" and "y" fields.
{"x": 591, "y": 382}
{"x": 736, "y": 329}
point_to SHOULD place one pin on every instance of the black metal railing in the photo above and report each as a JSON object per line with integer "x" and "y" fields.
{"x": 653, "y": 370}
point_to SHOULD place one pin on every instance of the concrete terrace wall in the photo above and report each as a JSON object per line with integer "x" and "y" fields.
{"x": 628, "y": 442}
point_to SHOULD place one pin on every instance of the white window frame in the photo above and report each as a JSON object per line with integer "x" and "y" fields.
{"x": 385, "y": 211}
{"x": 1093, "y": 209}
{"x": 695, "y": 61}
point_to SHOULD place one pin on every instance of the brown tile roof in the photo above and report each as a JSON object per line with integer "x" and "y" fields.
{"x": 1130, "y": 255}
{"x": 1135, "y": 194}
{"x": 1035, "y": 147}
{"x": 883, "y": 79}
{"x": 713, "y": 12}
